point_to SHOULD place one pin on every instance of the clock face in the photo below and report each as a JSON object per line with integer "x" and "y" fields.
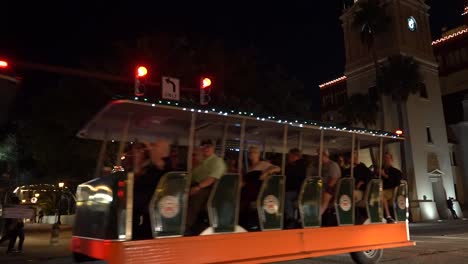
{"x": 412, "y": 24}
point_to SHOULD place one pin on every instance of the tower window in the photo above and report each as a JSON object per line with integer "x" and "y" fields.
{"x": 453, "y": 160}
{"x": 464, "y": 55}
{"x": 429, "y": 136}
{"x": 423, "y": 91}
{"x": 373, "y": 93}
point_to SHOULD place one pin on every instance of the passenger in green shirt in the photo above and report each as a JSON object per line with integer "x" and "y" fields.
{"x": 204, "y": 176}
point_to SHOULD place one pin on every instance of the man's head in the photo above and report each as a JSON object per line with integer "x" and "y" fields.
{"x": 341, "y": 160}
{"x": 325, "y": 155}
{"x": 254, "y": 153}
{"x": 356, "y": 157}
{"x": 294, "y": 154}
{"x": 140, "y": 152}
{"x": 158, "y": 149}
{"x": 174, "y": 153}
{"x": 207, "y": 148}
{"x": 388, "y": 159}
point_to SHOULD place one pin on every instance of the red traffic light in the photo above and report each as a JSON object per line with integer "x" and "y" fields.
{"x": 399, "y": 132}
{"x": 206, "y": 82}
{"x": 142, "y": 71}
{"x": 3, "y": 64}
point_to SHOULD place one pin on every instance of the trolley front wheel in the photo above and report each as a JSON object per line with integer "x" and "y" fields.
{"x": 367, "y": 257}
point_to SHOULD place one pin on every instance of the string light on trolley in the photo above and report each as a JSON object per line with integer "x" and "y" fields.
{"x": 399, "y": 132}
{"x": 298, "y": 123}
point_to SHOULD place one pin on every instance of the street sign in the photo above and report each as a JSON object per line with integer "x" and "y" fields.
{"x": 18, "y": 212}
{"x": 170, "y": 88}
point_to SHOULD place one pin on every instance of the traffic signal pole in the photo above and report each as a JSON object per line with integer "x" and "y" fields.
{"x": 70, "y": 71}
{"x": 84, "y": 73}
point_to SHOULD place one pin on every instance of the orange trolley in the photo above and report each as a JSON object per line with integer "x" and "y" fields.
{"x": 103, "y": 224}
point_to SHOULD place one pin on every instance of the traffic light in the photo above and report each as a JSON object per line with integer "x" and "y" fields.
{"x": 3, "y": 64}
{"x": 140, "y": 80}
{"x": 6, "y": 68}
{"x": 205, "y": 89}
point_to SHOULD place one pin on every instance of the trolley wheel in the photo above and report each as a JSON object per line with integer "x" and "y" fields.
{"x": 367, "y": 257}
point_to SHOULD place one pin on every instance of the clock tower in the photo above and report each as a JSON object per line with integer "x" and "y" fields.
{"x": 428, "y": 166}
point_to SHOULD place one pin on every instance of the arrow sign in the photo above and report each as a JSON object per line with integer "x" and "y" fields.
{"x": 170, "y": 88}
{"x": 169, "y": 81}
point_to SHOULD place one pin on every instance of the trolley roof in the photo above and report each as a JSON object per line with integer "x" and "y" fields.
{"x": 148, "y": 121}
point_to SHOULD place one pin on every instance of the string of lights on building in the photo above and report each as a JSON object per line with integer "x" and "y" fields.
{"x": 451, "y": 36}
{"x": 330, "y": 83}
{"x": 435, "y": 42}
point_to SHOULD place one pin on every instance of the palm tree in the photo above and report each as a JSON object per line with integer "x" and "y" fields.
{"x": 399, "y": 78}
{"x": 360, "y": 108}
{"x": 371, "y": 20}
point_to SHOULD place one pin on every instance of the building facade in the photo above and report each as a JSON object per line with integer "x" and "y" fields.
{"x": 451, "y": 51}
{"x": 427, "y": 153}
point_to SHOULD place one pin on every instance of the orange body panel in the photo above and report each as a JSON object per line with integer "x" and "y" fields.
{"x": 254, "y": 247}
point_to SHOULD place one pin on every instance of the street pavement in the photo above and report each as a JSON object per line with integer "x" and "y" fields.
{"x": 37, "y": 246}
{"x": 437, "y": 242}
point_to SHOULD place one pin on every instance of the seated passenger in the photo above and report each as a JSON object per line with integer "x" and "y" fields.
{"x": 344, "y": 164}
{"x": 391, "y": 178}
{"x": 295, "y": 175}
{"x": 331, "y": 172}
{"x": 174, "y": 160}
{"x": 204, "y": 176}
{"x": 232, "y": 165}
{"x": 362, "y": 176}
{"x": 149, "y": 167}
{"x": 258, "y": 171}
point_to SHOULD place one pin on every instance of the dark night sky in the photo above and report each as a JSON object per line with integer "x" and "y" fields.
{"x": 305, "y": 36}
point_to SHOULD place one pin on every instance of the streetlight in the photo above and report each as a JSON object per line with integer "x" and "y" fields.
{"x": 37, "y": 195}
{"x": 60, "y": 185}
